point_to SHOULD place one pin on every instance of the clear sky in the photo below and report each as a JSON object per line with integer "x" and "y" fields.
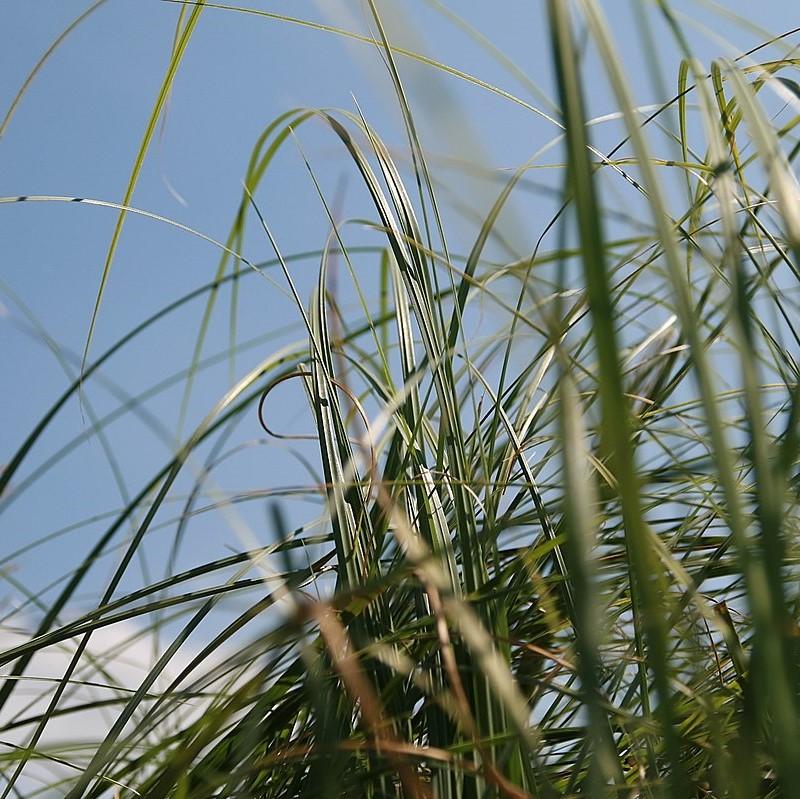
{"x": 77, "y": 130}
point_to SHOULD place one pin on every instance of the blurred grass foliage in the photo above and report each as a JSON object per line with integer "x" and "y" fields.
{"x": 556, "y": 559}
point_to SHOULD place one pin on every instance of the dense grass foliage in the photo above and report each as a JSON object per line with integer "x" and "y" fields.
{"x": 556, "y": 548}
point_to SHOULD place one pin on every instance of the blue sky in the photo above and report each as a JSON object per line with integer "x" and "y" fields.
{"x": 76, "y": 133}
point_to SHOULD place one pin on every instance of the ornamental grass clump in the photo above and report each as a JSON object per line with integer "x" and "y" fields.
{"x": 546, "y": 544}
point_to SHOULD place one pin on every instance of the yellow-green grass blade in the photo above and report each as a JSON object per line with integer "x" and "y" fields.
{"x": 144, "y": 146}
